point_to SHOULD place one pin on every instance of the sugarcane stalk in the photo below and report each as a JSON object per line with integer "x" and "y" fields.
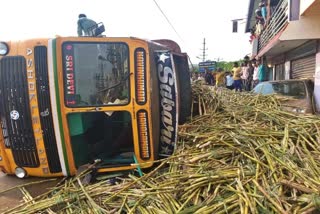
{"x": 96, "y": 208}
{"x": 278, "y": 206}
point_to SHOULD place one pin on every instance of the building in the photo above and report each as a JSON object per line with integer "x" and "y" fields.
{"x": 290, "y": 40}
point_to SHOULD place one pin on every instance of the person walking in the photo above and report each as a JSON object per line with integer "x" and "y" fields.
{"x": 86, "y": 26}
{"x": 237, "y": 77}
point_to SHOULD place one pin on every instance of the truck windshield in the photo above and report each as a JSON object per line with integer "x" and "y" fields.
{"x": 95, "y": 74}
{"x": 294, "y": 89}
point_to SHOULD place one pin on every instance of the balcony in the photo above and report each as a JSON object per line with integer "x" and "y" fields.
{"x": 277, "y": 22}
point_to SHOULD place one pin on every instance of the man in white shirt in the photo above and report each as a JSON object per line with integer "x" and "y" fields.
{"x": 255, "y": 79}
{"x": 229, "y": 81}
{"x": 245, "y": 75}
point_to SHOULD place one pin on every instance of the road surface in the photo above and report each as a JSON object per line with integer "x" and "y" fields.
{"x": 14, "y": 197}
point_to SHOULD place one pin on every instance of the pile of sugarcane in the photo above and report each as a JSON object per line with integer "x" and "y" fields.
{"x": 240, "y": 154}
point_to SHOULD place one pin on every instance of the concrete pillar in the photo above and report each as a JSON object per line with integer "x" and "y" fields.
{"x": 274, "y": 72}
{"x": 287, "y": 67}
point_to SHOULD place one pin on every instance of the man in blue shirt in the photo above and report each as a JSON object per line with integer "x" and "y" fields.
{"x": 86, "y": 26}
{"x": 263, "y": 7}
{"x": 262, "y": 72}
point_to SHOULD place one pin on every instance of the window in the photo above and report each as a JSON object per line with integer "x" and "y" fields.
{"x": 294, "y": 10}
{"x": 95, "y": 74}
{"x": 293, "y": 89}
{"x": 264, "y": 88}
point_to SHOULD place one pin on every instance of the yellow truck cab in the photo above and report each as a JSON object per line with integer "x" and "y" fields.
{"x": 70, "y": 101}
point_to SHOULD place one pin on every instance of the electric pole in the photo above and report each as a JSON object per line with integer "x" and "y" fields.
{"x": 204, "y": 50}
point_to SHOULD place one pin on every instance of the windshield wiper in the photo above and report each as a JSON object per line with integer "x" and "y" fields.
{"x": 125, "y": 78}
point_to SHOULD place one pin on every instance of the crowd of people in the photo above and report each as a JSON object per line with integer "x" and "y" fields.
{"x": 241, "y": 78}
{"x": 262, "y": 15}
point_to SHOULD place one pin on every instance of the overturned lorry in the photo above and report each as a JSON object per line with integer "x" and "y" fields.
{"x": 69, "y": 101}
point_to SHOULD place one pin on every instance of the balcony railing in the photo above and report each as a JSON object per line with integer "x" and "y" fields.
{"x": 277, "y": 21}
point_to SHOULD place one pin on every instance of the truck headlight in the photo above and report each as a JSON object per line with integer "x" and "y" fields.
{"x": 4, "y": 48}
{"x": 20, "y": 172}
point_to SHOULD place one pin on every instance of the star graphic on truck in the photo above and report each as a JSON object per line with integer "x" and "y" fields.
{"x": 163, "y": 57}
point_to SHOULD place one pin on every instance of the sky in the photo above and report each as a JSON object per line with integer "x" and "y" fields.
{"x": 191, "y": 22}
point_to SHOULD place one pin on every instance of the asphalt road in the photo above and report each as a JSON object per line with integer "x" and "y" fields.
{"x": 14, "y": 197}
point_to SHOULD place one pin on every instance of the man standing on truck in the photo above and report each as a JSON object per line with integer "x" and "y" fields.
{"x": 85, "y": 26}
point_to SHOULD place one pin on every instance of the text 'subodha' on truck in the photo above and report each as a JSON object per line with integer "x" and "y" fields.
{"x": 66, "y": 102}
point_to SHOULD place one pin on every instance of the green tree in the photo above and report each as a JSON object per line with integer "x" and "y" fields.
{"x": 226, "y": 66}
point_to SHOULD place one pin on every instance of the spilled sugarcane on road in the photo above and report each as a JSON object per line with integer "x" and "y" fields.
{"x": 239, "y": 154}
